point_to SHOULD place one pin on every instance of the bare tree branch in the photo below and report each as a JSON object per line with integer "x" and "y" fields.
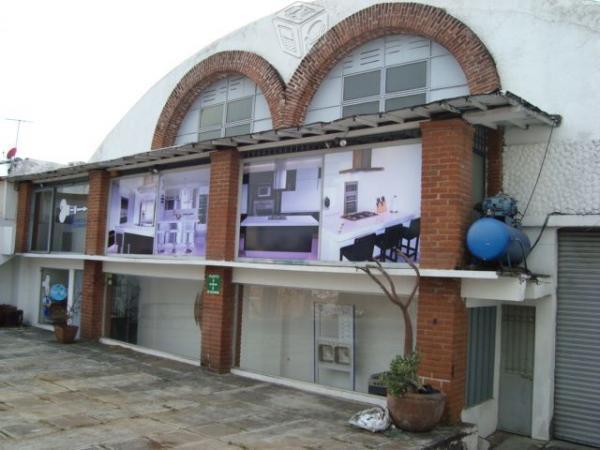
{"x": 390, "y": 281}
{"x": 392, "y": 294}
{"x": 417, "y": 272}
{"x": 394, "y": 299}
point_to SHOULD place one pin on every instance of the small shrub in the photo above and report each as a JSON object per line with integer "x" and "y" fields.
{"x": 402, "y": 376}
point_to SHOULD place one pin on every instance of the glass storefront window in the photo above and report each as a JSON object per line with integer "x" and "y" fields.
{"x": 59, "y": 218}
{"x": 337, "y": 339}
{"x": 70, "y": 218}
{"x": 155, "y": 313}
{"x": 41, "y": 217}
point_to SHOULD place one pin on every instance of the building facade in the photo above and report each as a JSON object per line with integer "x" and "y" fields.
{"x": 222, "y": 221}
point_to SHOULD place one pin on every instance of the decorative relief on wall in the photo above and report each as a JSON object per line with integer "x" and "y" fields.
{"x": 299, "y": 26}
{"x": 570, "y": 180}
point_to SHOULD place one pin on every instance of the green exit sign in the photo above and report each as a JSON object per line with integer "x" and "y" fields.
{"x": 213, "y": 284}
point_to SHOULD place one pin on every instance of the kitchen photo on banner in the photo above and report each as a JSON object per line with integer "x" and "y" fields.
{"x": 280, "y": 209}
{"x": 372, "y": 204}
{"x": 131, "y": 210}
{"x": 181, "y": 213}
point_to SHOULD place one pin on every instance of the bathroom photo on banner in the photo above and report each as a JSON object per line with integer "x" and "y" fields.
{"x": 131, "y": 210}
{"x": 280, "y": 209}
{"x": 371, "y": 204}
{"x": 181, "y": 213}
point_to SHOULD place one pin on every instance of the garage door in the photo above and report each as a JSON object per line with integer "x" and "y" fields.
{"x": 577, "y": 394}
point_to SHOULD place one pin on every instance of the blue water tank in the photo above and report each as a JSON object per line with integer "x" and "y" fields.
{"x": 493, "y": 240}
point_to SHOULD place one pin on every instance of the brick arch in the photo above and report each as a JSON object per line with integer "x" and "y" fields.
{"x": 380, "y": 20}
{"x": 203, "y": 74}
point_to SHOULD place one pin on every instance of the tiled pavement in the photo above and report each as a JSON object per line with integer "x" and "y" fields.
{"x": 91, "y": 396}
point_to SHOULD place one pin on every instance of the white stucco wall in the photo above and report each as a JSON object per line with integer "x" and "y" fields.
{"x": 7, "y": 285}
{"x": 545, "y": 51}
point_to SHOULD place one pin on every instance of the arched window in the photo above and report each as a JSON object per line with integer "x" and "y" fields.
{"x": 385, "y": 74}
{"x": 229, "y": 107}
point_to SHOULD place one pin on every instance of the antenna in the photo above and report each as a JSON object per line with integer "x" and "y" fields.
{"x": 19, "y": 122}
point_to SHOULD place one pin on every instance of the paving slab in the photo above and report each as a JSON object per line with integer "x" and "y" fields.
{"x": 88, "y": 396}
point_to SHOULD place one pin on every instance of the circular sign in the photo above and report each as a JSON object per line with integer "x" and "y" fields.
{"x": 58, "y": 292}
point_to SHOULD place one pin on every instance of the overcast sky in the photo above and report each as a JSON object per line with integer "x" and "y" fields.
{"x": 74, "y": 68}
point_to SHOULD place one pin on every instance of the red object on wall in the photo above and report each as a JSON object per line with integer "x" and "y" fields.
{"x": 12, "y": 153}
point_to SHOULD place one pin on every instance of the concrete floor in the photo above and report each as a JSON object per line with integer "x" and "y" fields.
{"x": 91, "y": 396}
{"x": 506, "y": 441}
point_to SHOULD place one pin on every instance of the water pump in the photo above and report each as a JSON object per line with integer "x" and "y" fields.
{"x": 497, "y": 236}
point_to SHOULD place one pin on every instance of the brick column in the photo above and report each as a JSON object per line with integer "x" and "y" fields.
{"x": 218, "y": 309}
{"x": 442, "y": 340}
{"x": 22, "y": 223}
{"x": 495, "y": 147}
{"x": 445, "y": 211}
{"x": 93, "y": 276}
{"x": 91, "y": 301}
{"x": 446, "y": 205}
{"x": 97, "y": 204}
{"x": 217, "y": 323}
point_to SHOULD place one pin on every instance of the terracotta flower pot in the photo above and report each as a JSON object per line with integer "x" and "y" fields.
{"x": 416, "y": 412}
{"x": 65, "y": 334}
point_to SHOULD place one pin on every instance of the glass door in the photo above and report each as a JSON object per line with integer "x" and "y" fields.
{"x": 54, "y": 292}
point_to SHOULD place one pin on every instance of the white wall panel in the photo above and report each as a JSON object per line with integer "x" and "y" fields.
{"x": 403, "y": 49}
{"x": 190, "y": 122}
{"x": 323, "y": 115}
{"x": 440, "y": 94}
{"x": 446, "y": 72}
{"x": 438, "y": 50}
{"x": 240, "y": 87}
{"x": 329, "y": 94}
{"x": 262, "y": 125}
{"x": 261, "y": 108}
{"x": 186, "y": 138}
{"x": 216, "y": 93}
{"x": 367, "y": 57}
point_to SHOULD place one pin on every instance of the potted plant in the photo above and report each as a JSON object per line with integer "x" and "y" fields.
{"x": 412, "y": 407}
{"x": 65, "y": 333}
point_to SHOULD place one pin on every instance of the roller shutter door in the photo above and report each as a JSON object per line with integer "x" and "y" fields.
{"x": 577, "y": 389}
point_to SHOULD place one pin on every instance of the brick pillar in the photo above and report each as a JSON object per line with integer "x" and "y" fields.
{"x": 442, "y": 340}
{"x": 445, "y": 212}
{"x": 97, "y": 202}
{"x": 217, "y": 323}
{"x": 218, "y": 309}
{"x": 22, "y": 223}
{"x": 223, "y": 205}
{"x": 91, "y": 301}
{"x": 446, "y": 205}
{"x": 95, "y": 238}
{"x": 495, "y": 146}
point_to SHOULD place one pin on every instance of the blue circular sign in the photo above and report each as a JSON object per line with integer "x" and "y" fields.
{"x": 58, "y": 292}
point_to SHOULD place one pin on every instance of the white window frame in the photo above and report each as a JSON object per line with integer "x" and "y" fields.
{"x": 224, "y": 125}
{"x": 383, "y": 95}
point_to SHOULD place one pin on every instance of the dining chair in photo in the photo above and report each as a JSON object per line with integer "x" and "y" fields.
{"x": 388, "y": 242}
{"x": 410, "y": 234}
{"x": 361, "y": 250}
